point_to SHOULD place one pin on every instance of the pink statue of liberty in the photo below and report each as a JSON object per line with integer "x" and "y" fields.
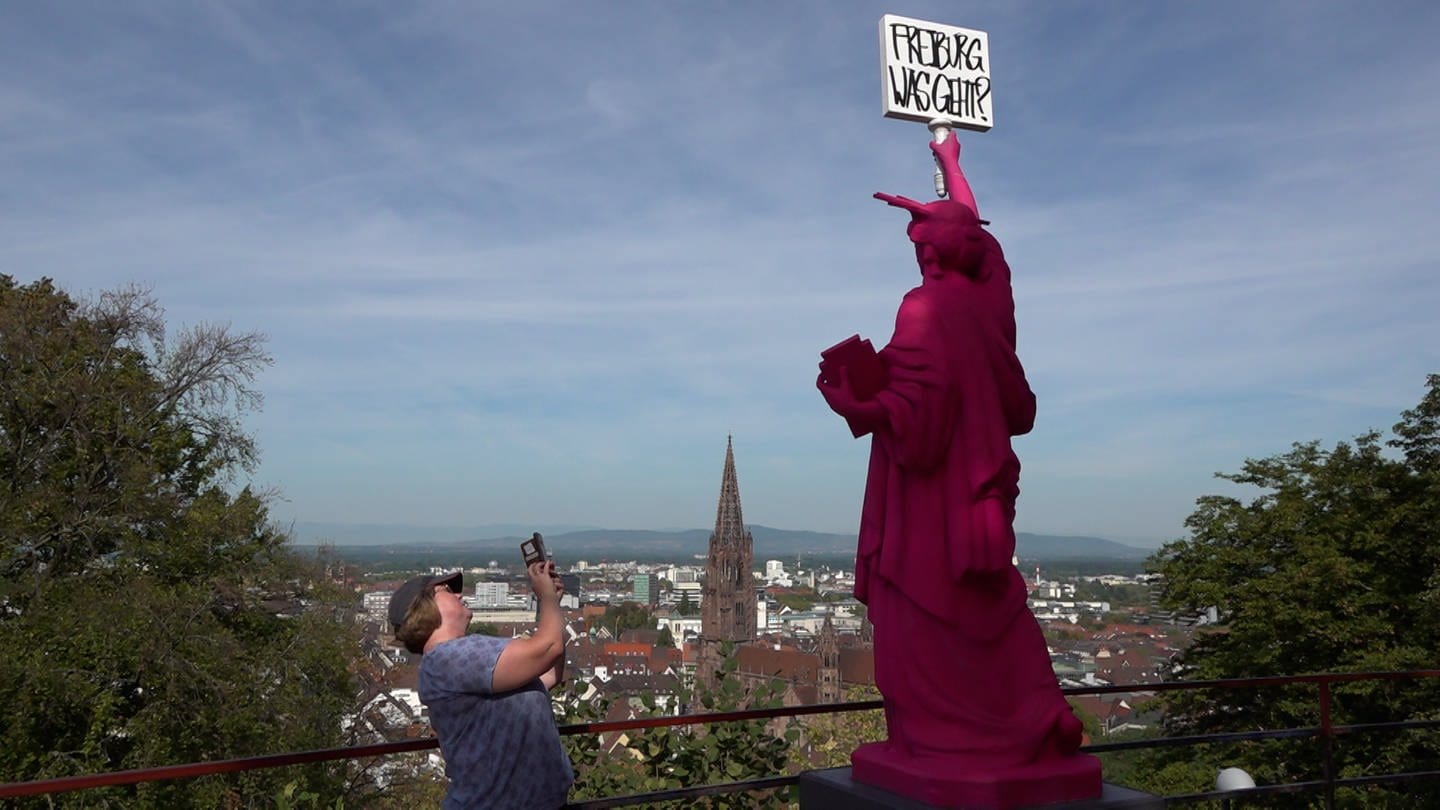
{"x": 973, "y": 712}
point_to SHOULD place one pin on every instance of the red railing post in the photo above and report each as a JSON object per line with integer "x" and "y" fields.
{"x": 1327, "y": 743}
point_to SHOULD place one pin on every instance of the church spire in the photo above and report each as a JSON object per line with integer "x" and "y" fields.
{"x": 729, "y": 523}
{"x": 829, "y": 650}
{"x": 829, "y": 644}
{"x": 727, "y": 603}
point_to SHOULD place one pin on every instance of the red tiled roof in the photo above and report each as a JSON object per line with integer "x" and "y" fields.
{"x": 787, "y": 662}
{"x": 1119, "y": 629}
{"x": 628, "y": 648}
{"x": 801, "y": 694}
{"x": 641, "y": 636}
{"x": 663, "y": 658}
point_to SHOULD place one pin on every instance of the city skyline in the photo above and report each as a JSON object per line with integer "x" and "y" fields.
{"x": 534, "y": 263}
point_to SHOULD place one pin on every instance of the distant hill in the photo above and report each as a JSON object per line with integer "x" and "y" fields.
{"x": 309, "y": 533}
{"x": 460, "y": 545}
{"x": 1067, "y": 547}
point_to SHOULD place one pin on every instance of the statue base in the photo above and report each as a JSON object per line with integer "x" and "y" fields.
{"x": 833, "y": 789}
{"x": 943, "y": 782}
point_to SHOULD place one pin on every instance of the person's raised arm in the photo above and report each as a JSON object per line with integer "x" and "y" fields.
{"x": 556, "y": 674}
{"x": 525, "y": 659}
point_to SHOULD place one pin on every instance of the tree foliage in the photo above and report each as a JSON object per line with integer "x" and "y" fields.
{"x": 1331, "y": 567}
{"x": 829, "y": 739}
{"x": 663, "y": 758}
{"x": 627, "y": 616}
{"x": 797, "y": 599}
{"x": 1121, "y": 595}
{"x": 150, "y": 612}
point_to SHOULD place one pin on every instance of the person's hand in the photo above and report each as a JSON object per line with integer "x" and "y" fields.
{"x": 555, "y": 578}
{"x": 542, "y": 583}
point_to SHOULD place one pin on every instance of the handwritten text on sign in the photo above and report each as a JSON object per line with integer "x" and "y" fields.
{"x": 934, "y": 71}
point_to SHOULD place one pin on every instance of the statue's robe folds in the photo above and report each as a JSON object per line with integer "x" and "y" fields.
{"x": 959, "y": 658}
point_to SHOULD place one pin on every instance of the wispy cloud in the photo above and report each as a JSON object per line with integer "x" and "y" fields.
{"x": 534, "y": 262}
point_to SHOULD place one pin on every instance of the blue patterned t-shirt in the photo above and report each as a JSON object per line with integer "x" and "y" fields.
{"x": 501, "y": 750}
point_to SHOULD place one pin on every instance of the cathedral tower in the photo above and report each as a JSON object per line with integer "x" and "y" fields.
{"x": 727, "y": 607}
{"x": 829, "y": 650}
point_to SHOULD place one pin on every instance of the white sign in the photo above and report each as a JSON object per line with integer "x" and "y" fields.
{"x": 931, "y": 71}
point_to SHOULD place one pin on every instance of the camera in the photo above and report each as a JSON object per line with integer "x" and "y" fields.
{"x": 533, "y": 550}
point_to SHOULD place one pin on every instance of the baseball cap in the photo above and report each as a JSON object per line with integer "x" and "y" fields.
{"x": 401, "y": 600}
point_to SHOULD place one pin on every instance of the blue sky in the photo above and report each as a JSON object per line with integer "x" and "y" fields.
{"x": 533, "y": 262}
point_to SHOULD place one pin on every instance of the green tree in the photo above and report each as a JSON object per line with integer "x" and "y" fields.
{"x": 1093, "y": 728}
{"x": 627, "y": 616}
{"x": 829, "y": 739}
{"x": 1331, "y": 567}
{"x": 665, "y": 758}
{"x": 150, "y": 612}
{"x": 1119, "y": 596}
{"x": 797, "y": 599}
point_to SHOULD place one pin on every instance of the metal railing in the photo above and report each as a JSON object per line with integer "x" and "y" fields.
{"x": 1326, "y": 732}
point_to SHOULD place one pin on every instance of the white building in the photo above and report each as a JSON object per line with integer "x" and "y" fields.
{"x": 503, "y": 616}
{"x": 678, "y": 595}
{"x": 680, "y": 573}
{"x": 492, "y": 594}
{"x": 679, "y": 626}
{"x": 810, "y": 622}
{"x": 376, "y": 603}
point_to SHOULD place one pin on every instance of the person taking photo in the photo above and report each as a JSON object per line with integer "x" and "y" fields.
{"x": 488, "y": 697}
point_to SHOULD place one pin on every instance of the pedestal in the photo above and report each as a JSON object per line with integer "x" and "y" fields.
{"x": 833, "y": 789}
{"x": 941, "y": 781}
